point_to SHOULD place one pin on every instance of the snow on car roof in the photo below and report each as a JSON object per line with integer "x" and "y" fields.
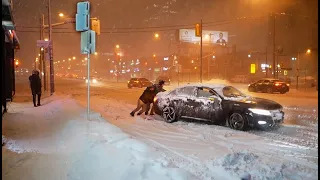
{"x": 213, "y": 86}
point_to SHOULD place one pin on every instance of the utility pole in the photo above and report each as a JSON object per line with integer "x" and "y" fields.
{"x": 201, "y": 67}
{"x": 267, "y": 68}
{"x": 50, "y": 50}
{"x": 42, "y": 58}
{"x": 274, "y": 45}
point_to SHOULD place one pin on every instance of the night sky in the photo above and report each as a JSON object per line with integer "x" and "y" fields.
{"x": 130, "y": 22}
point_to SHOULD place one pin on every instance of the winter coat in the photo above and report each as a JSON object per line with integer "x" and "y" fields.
{"x": 158, "y": 88}
{"x": 148, "y": 94}
{"x": 35, "y": 84}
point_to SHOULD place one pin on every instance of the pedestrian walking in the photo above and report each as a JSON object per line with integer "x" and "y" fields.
{"x": 144, "y": 100}
{"x": 35, "y": 85}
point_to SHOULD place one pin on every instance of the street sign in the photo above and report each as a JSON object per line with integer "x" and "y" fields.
{"x": 43, "y": 43}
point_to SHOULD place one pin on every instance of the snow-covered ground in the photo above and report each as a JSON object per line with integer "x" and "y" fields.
{"x": 199, "y": 151}
{"x": 55, "y": 141}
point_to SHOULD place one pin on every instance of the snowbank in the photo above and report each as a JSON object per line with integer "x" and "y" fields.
{"x": 57, "y": 139}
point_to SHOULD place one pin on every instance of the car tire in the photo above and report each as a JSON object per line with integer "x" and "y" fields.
{"x": 269, "y": 90}
{"x": 282, "y": 92}
{"x": 238, "y": 121}
{"x": 169, "y": 114}
{"x": 251, "y": 89}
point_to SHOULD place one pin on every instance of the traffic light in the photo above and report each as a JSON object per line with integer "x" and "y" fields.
{"x": 95, "y": 25}
{"x": 198, "y": 30}
{"x": 83, "y": 16}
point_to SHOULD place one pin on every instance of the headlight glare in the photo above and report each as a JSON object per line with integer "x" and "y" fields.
{"x": 260, "y": 111}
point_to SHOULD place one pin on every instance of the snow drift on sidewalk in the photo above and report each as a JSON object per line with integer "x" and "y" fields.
{"x": 64, "y": 145}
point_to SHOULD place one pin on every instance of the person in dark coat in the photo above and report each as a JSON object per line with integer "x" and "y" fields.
{"x": 35, "y": 85}
{"x": 158, "y": 88}
{"x": 144, "y": 100}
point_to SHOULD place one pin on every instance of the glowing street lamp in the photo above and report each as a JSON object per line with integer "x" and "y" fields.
{"x": 156, "y": 35}
{"x": 73, "y": 58}
{"x": 46, "y": 39}
{"x": 117, "y": 46}
{"x": 69, "y": 59}
{"x": 154, "y": 55}
{"x": 308, "y": 51}
{"x": 61, "y": 14}
{"x": 95, "y": 53}
{"x": 249, "y": 55}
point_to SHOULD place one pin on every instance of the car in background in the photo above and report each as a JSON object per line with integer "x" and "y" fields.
{"x": 221, "y": 104}
{"x": 269, "y": 85}
{"x": 166, "y": 80}
{"x": 93, "y": 80}
{"x": 139, "y": 82}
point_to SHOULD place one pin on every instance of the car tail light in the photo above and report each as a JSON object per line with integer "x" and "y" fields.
{"x": 277, "y": 84}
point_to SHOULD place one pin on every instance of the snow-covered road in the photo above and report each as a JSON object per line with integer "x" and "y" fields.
{"x": 208, "y": 151}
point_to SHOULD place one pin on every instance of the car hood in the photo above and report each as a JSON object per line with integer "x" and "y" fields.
{"x": 255, "y": 102}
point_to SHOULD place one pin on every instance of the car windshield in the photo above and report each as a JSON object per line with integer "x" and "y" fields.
{"x": 230, "y": 91}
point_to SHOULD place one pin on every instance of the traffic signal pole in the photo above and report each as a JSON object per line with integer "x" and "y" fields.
{"x": 201, "y": 65}
{"x": 50, "y": 50}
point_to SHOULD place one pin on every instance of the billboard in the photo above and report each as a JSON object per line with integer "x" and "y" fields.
{"x": 208, "y": 37}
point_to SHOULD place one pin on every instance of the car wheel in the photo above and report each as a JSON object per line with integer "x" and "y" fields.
{"x": 282, "y": 92}
{"x": 237, "y": 121}
{"x": 169, "y": 114}
{"x": 251, "y": 89}
{"x": 269, "y": 90}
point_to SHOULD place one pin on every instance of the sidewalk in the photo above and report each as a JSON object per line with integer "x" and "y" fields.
{"x": 55, "y": 141}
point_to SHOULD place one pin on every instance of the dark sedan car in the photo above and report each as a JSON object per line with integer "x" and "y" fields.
{"x": 220, "y": 104}
{"x": 139, "y": 82}
{"x": 269, "y": 85}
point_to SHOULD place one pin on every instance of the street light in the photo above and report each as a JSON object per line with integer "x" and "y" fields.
{"x": 61, "y": 14}
{"x": 95, "y": 53}
{"x": 69, "y": 59}
{"x": 46, "y": 39}
{"x": 117, "y": 46}
{"x": 308, "y": 51}
{"x": 213, "y": 56}
{"x": 156, "y": 35}
{"x": 154, "y": 55}
{"x": 249, "y": 55}
{"x": 73, "y": 57}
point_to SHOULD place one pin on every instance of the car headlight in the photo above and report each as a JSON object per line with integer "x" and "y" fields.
{"x": 94, "y": 81}
{"x": 260, "y": 111}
